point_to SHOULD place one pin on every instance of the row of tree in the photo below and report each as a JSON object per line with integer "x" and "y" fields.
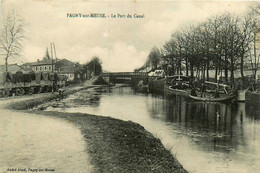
{"x": 223, "y": 43}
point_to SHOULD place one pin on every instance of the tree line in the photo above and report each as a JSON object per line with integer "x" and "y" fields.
{"x": 223, "y": 43}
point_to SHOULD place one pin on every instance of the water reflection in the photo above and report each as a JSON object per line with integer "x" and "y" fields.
{"x": 253, "y": 110}
{"x": 206, "y": 137}
{"x": 208, "y": 124}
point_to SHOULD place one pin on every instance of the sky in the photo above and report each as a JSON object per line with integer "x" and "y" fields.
{"x": 123, "y": 44}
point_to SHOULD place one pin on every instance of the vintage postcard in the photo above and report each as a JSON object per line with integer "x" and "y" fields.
{"x": 129, "y": 86}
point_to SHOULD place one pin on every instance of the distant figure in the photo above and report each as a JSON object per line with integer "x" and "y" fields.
{"x": 172, "y": 83}
{"x": 218, "y": 116}
{"x": 141, "y": 83}
{"x": 193, "y": 92}
{"x": 203, "y": 89}
{"x": 179, "y": 85}
{"x": 193, "y": 84}
{"x": 61, "y": 93}
{"x": 216, "y": 94}
{"x": 167, "y": 81}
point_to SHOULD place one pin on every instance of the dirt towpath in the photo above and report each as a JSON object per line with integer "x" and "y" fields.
{"x": 34, "y": 142}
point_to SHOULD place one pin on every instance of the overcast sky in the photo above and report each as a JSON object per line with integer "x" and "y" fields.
{"x": 122, "y": 44}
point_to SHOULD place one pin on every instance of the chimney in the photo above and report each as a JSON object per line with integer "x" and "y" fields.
{"x": 38, "y": 60}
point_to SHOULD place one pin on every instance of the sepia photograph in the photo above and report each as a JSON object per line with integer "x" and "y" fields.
{"x": 129, "y": 86}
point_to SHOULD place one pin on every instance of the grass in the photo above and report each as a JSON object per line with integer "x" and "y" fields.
{"x": 113, "y": 145}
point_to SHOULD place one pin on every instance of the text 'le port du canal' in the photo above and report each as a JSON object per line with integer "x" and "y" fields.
{"x": 102, "y": 15}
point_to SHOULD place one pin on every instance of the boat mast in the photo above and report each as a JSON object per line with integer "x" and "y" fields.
{"x": 52, "y": 58}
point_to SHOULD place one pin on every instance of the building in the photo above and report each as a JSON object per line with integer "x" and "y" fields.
{"x": 47, "y": 64}
{"x": 67, "y": 68}
{"x": 61, "y": 66}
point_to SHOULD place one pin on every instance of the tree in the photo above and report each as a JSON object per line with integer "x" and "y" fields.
{"x": 11, "y": 37}
{"x": 256, "y": 8}
{"x": 254, "y": 55}
{"x": 94, "y": 65}
{"x": 254, "y": 50}
{"x": 169, "y": 49}
{"x": 154, "y": 57}
{"x": 78, "y": 70}
{"x": 245, "y": 37}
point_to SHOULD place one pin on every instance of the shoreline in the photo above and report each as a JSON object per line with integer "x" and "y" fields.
{"x": 113, "y": 145}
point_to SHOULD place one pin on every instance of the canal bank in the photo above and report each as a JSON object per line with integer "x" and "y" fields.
{"x": 113, "y": 145}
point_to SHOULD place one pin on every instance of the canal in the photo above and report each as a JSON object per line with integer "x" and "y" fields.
{"x": 205, "y": 137}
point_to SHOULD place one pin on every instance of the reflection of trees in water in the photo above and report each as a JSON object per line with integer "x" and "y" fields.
{"x": 212, "y": 126}
{"x": 215, "y": 125}
{"x": 175, "y": 109}
{"x": 253, "y": 110}
{"x": 156, "y": 106}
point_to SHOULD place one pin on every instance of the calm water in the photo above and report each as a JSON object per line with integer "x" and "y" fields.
{"x": 29, "y": 141}
{"x": 205, "y": 137}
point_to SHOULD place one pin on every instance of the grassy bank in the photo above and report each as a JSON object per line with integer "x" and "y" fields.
{"x": 113, "y": 145}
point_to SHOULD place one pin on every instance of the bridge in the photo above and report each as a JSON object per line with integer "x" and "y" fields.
{"x": 125, "y": 77}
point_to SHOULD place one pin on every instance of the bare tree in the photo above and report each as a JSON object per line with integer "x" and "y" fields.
{"x": 254, "y": 55}
{"x": 154, "y": 57}
{"x": 245, "y": 38}
{"x": 169, "y": 49}
{"x": 254, "y": 50}
{"x": 11, "y": 37}
{"x": 256, "y": 8}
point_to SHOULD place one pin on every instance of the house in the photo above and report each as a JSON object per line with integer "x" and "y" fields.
{"x": 73, "y": 71}
{"x": 157, "y": 73}
{"x": 67, "y": 68}
{"x": 42, "y": 66}
{"x": 47, "y": 64}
